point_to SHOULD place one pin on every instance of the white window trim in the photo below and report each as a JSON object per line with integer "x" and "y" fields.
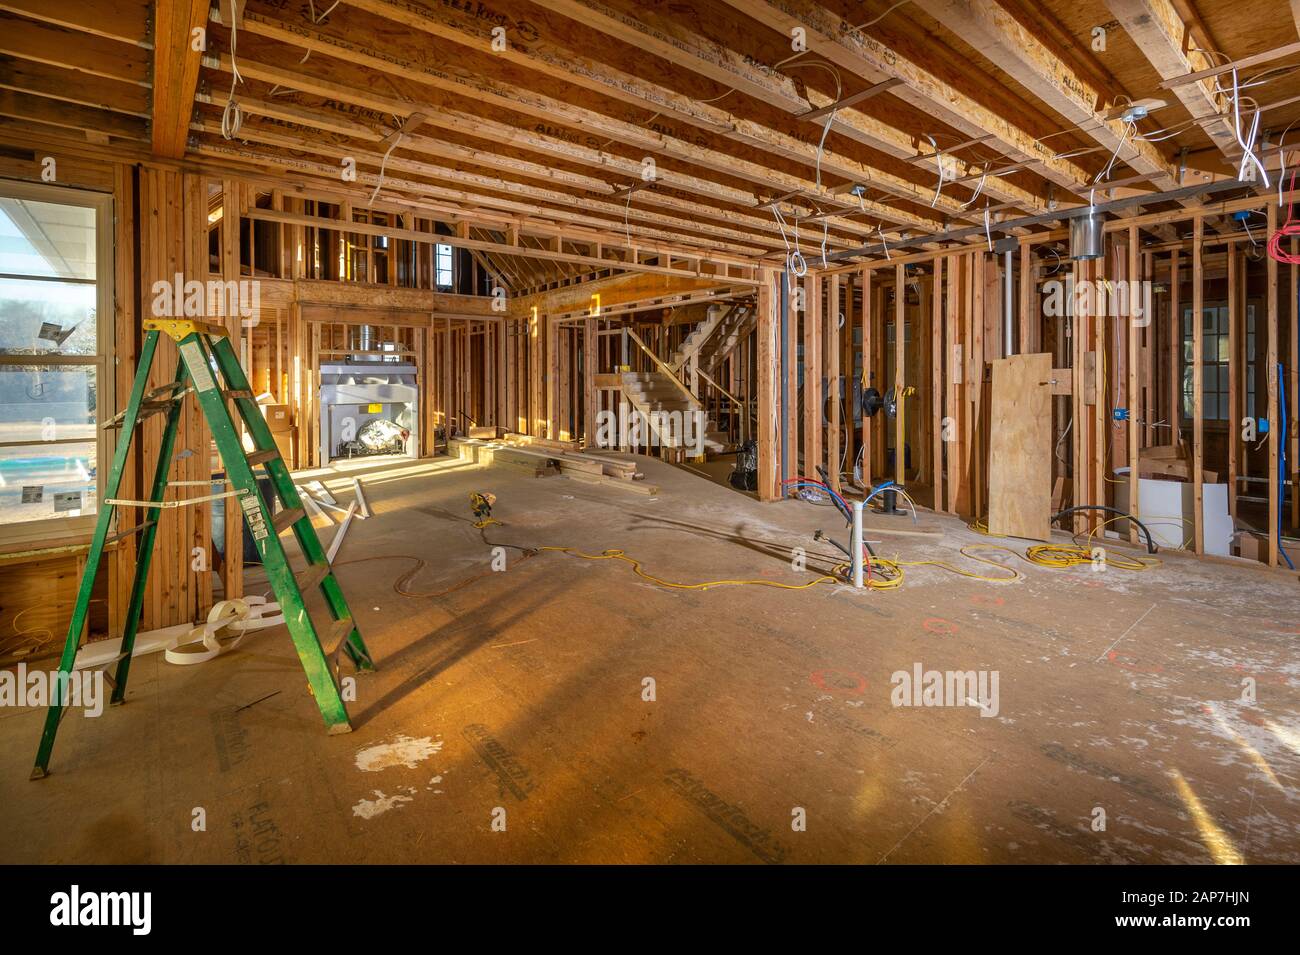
{"x": 59, "y": 529}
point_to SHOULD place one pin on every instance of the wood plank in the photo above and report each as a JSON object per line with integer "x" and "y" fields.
{"x": 867, "y": 380}
{"x": 1198, "y": 382}
{"x": 832, "y": 364}
{"x": 175, "y": 72}
{"x": 900, "y": 375}
{"x": 74, "y": 50}
{"x": 937, "y": 352}
{"x": 126, "y": 21}
{"x": 1021, "y": 448}
{"x": 1131, "y": 391}
{"x": 813, "y": 396}
{"x": 1272, "y": 373}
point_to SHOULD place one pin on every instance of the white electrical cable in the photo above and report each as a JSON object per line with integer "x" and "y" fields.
{"x": 794, "y": 260}
{"x": 1281, "y": 161}
{"x": 871, "y": 23}
{"x": 938, "y": 161}
{"x": 821, "y": 145}
{"x": 1247, "y": 144}
{"x": 979, "y": 188}
{"x": 1104, "y": 174}
{"x": 988, "y": 234}
{"x": 232, "y": 118}
{"x": 627, "y": 209}
{"x": 382, "y": 166}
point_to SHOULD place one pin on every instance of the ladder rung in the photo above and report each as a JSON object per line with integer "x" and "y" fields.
{"x": 335, "y": 636}
{"x": 313, "y": 575}
{"x": 128, "y": 532}
{"x": 244, "y": 393}
{"x": 260, "y": 457}
{"x": 287, "y": 518}
{"x": 147, "y": 409}
{"x": 162, "y": 390}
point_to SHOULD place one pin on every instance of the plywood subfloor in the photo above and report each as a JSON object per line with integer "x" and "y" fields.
{"x": 523, "y": 692}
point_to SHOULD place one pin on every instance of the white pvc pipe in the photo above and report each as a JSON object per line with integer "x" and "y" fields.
{"x": 855, "y": 544}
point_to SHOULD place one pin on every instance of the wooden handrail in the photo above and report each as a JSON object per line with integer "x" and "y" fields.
{"x": 664, "y": 367}
{"x": 734, "y": 400}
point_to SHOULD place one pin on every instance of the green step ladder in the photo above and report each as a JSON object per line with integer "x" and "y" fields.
{"x": 209, "y": 369}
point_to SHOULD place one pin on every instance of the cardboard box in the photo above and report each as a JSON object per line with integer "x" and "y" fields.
{"x": 278, "y": 417}
{"x": 284, "y": 442}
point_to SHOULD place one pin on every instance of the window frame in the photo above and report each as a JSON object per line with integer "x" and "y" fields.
{"x": 451, "y": 266}
{"x": 1249, "y": 330}
{"x": 58, "y": 529}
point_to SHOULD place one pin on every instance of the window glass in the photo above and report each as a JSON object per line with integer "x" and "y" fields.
{"x": 445, "y": 277}
{"x": 50, "y": 361}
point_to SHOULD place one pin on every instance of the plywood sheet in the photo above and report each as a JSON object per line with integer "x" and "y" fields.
{"x": 1020, "y": 459}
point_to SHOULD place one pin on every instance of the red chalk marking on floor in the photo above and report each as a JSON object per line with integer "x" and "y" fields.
{"x": 984, "y": 600}
{"x": 845, "y": 682}
{"x": 1132, "y": 663}
{"x": 939, "y": 625}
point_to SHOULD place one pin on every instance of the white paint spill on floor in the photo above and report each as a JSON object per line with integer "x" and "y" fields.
{"x": 369, "y": 808}
{"x": 404, "y": 751}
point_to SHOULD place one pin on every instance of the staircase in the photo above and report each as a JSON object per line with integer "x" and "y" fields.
{"x": 731, "y": 331}
{"x": 699, "y": 336}
{"x": 659, "y": 401}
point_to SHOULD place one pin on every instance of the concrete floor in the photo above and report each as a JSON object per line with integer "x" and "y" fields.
{"x": 519, "y": 697}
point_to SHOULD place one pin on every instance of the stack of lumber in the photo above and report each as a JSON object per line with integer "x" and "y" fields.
{"x": 541, "y": 457}
{"x": 1170, "y": 461}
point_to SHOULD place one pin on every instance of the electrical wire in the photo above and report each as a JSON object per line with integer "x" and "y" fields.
{"x": 794, "y": 260}
{"x": 232, "y": 118}
{"x": 871, "y": 23}
{"x": 1281, "y": 463}
{"x": 1290, "y": 228}
{"x": 1246, "y": 143}
{"x": 1062, "y": 556}
{"x": 979, "y": 188}
{"x": 383, "y": 165}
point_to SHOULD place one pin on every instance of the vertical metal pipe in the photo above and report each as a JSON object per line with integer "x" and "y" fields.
{"x": 1008, "y": 349}
{"x": 855, "y": 544}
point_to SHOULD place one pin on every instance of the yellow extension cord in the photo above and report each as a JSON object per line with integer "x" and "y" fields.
{"x": 1061, "y": 556}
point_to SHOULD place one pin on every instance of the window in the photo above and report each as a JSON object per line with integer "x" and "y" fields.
{"x": 443, "y": 259}
{"x": 54, "y": 378}
{"x": 1215, "y": 354}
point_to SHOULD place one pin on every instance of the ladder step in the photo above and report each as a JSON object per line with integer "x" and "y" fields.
{"x": 147, "y": 410}
{"x": 287, "y": 518}
{"x": 335, "y": 636}
{"x": 167, "y": 389}
{"x": 237, "y": 393}
{"x": 129, "y": 531}
{"x": 312, "y": 576}
{"x": 261, "y": 457}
